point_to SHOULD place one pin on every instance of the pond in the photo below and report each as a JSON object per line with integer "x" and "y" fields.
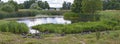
{"x": 42, "y": 20}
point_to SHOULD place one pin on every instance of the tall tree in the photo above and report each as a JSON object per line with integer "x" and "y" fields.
{"x": 64, "y": 5}
{"x": 40, "y": 4}
{"x": 76, "y": 6}
{"x": 68, "y": 5}
{"x": 91, "y": 6}
{"x": 46, "y": 5}
{"x": 111, "y": 4}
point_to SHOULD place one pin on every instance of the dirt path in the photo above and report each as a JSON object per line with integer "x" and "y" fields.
{"x": 82, "y": 42}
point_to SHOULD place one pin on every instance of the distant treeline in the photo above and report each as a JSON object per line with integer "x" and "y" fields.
{"x": 29, "y": 13}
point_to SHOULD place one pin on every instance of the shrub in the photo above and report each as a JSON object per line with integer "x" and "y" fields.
{"x": 89, "y": 17}
{"x": 14, "y": 27}
{"x": 74, "y": 17}
{"x": 7, "y": 8}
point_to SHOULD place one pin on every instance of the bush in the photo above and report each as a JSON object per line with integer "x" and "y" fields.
{"x": 7, "y": 8}
{"x": 14, "y": 27}
{"x": 74, "y": 17}
{"x": 89, "y": 17}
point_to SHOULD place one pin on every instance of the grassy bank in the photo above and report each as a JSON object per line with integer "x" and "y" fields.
{"x": 113, "y": 37}
{"x": 77, "y": 27}
{"x": 13, "y": 27}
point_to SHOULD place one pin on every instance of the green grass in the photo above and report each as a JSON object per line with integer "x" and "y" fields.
{"x": 113, "y": 37}
{"x": 3, "y": 22}
{"x": 106, "y": 38}
{"x": 78, "y": 27}
{"x": 110, "y": 14}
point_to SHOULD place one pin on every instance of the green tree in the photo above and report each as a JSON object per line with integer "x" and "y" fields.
{"x": 21, "y": 6}
{"x": 111, "y": 5}
{"x": 66, "y": 5}
{"x": 14, "y": 4}
{"x": 91, "y": 6}
{"x": 27, "y": 4}
{"x": 46, "y": 5}
{"x": 35, "y": 6}
{"x": 43, "y": 5}
{"x": 76, "y": 6}
{"x": 40, "y": 4}
{"x": 7, "y": 8}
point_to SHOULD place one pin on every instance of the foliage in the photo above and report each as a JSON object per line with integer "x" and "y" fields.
{"x": 91, "y": 6}
{"x": 74, "y": 17}
{"x": 7, "y": 8}
{"x": 41, "y": 4}
{"x": 109, "y": 15}
{"x": 66, "y": 6}
{"x": 14, "y": 27}
{"x": 15, "y": 5}
{"x": 27, "y": 4}
{"x": 87, "y": 10}
{"x": 35, "y": 6}
{"x": 113, "y": 37}
{"x": 111, "y": 5}
{"x": 46, "y": 5}
{"x": 74, "y": 28}
{"x": 20, "y": 6}
{"x": 28, "y": 13}
{"x": 77, "y": 6}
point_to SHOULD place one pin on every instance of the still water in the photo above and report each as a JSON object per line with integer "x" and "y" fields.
{"x": 43, "y": 20}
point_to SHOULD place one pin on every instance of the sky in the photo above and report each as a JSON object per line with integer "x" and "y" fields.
{"x": 53, "y": 3}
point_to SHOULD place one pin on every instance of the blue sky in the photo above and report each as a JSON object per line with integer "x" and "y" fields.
{"x": 53, "y": 3}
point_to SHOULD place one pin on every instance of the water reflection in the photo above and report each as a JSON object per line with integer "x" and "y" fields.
{"x": 36, "y": 21}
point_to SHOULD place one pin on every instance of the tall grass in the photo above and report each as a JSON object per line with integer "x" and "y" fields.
{"x": 14, "y": 27}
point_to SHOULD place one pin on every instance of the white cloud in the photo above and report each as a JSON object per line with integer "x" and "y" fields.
{"x": 53, "y": 3}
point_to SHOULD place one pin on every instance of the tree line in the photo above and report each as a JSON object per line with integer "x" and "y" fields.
{"x": 77, "y": 5}
{"x": 40, "y": 4}
{"x": 12, "y": 6}
{"x": 87, "y": 10}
